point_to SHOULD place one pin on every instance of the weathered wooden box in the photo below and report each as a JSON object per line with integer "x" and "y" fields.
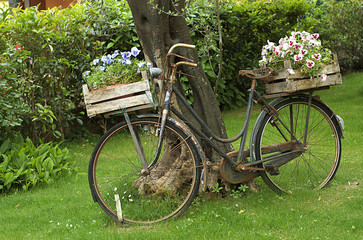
{"x": 283, "y": 83}
{"x": 117, "y": 99}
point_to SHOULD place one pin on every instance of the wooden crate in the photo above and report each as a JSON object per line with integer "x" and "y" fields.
{"x": 118, "y": 98}
{"x": 283, "y": 83}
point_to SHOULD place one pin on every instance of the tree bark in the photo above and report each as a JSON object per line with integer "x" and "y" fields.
{"x": 160, "y": 24}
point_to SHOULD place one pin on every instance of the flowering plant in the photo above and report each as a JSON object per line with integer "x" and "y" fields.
{"x": 116, "y": 68}
{"x": 304, "y": 51}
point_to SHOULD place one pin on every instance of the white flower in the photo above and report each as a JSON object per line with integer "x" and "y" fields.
{"x": 317, "y": 56}
{"x": 291, "y": 71}
{"x": 310, "y": 63}
{"x": 285, "y": 46}
{"x": 269, "y": 45}
{"x": 303, "y": 51}
{"x": 298, "y": 58}
{"x": 315, "y": 35}
{"x": 323, "y": 77}
{"x": 263, "y": 61}
{"x": 135, "y": 51}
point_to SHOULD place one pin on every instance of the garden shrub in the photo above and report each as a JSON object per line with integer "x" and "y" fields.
{"x": 247, "y": 25}
{"x": 340, "y": 26}
{"x": 23, "y": 165}
{"x": 59, "y": 44}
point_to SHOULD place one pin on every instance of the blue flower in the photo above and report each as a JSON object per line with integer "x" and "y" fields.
{"x": 96, "y": 61}
{"x": 126, "y": 55}
{"x": 141, "y": 64}
{"x": 86, "y": 73}
{"x": 115, "y": 54}
{"x": 102, "y": 68}
{"x": 135, "y": 51}
{"x": 104, "y": 59}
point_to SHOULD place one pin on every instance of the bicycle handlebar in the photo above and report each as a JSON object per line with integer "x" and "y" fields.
{"x": 170, "y": 53}
{"x": 180, "y": 45}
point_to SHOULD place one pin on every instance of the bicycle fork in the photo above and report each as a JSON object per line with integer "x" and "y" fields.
{"x": 161, "y": 130}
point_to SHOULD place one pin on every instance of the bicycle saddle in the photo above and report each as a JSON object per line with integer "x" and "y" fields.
{"x": 262, "y": 74}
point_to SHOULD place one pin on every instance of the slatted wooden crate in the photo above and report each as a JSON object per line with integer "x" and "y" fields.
{"x": 118, "y": 98}
{"x": 283, "y": 83}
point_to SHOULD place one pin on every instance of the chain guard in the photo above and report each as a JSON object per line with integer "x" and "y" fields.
{"x": 231, "y": 175}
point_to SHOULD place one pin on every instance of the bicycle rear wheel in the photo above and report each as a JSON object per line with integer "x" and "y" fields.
{"x": 166, "y": 189}
{"x": 317, "y": 165}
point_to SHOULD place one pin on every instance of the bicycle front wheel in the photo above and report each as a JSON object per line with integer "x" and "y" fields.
{"x": 317, "y": 165}
{"x": 164, "y": 190}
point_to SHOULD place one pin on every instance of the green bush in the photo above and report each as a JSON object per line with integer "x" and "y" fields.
{"x": 12, "y": 89}
{"x": 340, "y": 26}
{"x": 247, "y": 25}
{"x": 59, "y": 46}
{"x": 23, "y": 165}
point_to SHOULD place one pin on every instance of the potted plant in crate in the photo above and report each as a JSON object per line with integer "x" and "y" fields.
{"x": 115, "y": 84}
{"x": 299, "y": 57}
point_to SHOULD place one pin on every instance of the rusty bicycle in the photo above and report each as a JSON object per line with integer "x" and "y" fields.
{"x": 149, "y": 168}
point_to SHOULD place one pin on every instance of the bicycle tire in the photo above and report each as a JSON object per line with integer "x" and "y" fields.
{"x": 314, "y": 168}
{"x": 169, "y": 188}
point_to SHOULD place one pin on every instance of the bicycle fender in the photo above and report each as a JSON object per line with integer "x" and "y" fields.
{"x": 254, "y": 129}
{"x": 337, "y": 118}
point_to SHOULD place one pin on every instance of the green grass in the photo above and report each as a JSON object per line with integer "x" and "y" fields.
{"x": 65, "y": 210}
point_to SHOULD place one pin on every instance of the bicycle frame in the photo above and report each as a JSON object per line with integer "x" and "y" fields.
{"x": 253, "y": 96}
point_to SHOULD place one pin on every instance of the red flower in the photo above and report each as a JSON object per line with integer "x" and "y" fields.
{"x": 19, "y": 48}
{"x": 1, "y": 76}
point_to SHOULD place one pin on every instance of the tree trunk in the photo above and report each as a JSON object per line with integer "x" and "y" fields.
{"x": 160, "y": 24}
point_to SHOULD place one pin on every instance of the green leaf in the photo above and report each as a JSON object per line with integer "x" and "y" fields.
{"x": 110, "y": 45}
{"x": 9, "y": 176}
{"x": 5, "y": 146}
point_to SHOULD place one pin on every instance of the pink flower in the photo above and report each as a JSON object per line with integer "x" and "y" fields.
{"x": 303, "y": 51}
{"x": 315, "y": 35}
{"x": 310, "y": 63}
{"x": 315, "y": 43}
{"x": 297, "y": 58}
{"x": 317, "y": 56}
{"x": 263, "y": 61}
{"x": 298, "y": 46}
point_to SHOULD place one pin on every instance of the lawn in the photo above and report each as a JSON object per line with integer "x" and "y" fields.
{"x": 65, "y": 210}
